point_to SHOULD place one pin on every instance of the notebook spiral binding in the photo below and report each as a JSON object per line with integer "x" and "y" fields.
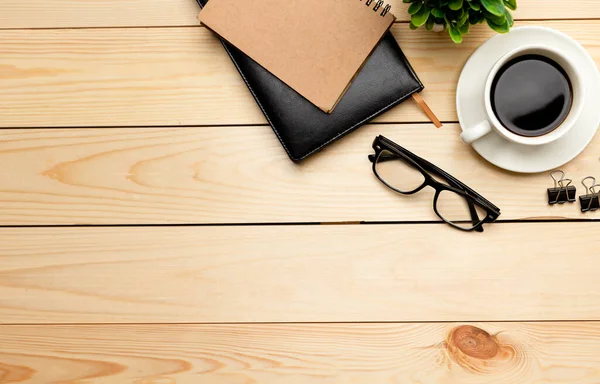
{"x": 378, "y": 5}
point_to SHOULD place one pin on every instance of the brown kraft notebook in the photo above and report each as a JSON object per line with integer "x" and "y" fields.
{"x": 316, "y": 47}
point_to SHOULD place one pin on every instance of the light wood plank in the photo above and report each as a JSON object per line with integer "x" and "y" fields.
{"x": 477, "y": 353}
{"x": 242, "y": 175}
{"x": 97, "y": 13}
{"x": 120, "y": 13}
{"x": 299, "y": 273}
{"x": 181, "y": 76}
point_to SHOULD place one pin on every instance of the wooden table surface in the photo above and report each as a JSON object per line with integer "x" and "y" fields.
{"x": 154, "y": 231}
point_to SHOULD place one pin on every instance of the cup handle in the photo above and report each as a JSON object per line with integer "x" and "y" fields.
{"x": 469, "y": 136}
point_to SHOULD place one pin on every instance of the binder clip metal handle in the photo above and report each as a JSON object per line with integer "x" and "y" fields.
{"x": 563, "y": 191}
{"x": 557, "y": 176}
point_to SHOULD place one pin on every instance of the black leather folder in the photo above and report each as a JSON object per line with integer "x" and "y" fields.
{"x": 386, "y": 80}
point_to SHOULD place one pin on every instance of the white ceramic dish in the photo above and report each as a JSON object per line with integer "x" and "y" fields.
{"x": 510, "y": 155}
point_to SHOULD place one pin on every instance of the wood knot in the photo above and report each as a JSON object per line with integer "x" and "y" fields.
{"x": 15, "y": 373}
{"x": 474, "y": 342}
{"x": 478, "y": 351}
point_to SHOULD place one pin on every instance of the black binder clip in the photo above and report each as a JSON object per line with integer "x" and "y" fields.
{"x": 590, "y": 201}
{"x": 563, "y": 191}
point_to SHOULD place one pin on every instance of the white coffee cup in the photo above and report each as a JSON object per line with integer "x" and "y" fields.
{"x": 491, "y": 122}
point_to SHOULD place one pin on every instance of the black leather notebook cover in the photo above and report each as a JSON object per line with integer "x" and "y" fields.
{"x": 386, "y": 80}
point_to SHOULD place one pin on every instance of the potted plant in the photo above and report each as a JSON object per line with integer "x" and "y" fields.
{"x": 456, "y": 16}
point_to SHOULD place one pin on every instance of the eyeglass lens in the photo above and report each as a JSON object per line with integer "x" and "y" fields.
{"x": 455, "y": 209}
{"x": 398, "y": 173}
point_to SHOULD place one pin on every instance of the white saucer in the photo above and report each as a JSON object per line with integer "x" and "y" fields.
{"x": 507, "y": 154}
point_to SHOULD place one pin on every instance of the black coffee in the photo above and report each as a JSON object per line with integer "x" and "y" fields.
{"x": 531, "y": 95}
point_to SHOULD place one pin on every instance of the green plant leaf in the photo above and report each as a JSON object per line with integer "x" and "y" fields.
{"x": 407, "y": 1}
{"x": 464, "y": 29}
{"x": 475, "y": 6}
{"x": 437, "y": 13}
{"x": 420, "y": 18}
{"x": 412, "y": 26}
{"x": 455, "y": 5}
{"x": 455, "y": 35}
{"x": 463, "y": 18}
{"x": 499, "y": 20}
{"x": 509, "y": 18}
{"x": 495, "y": 7}
{"x": 430, "y": 22}
{"x": 415, "y": 7}
{"x": 504, "y": 28}
{"x": 511, "y": 4}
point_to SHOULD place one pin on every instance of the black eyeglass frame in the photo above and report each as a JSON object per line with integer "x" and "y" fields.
{"x": 473, "y": 198}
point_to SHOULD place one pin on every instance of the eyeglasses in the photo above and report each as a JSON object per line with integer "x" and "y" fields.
{"x": 454, "y": 202}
